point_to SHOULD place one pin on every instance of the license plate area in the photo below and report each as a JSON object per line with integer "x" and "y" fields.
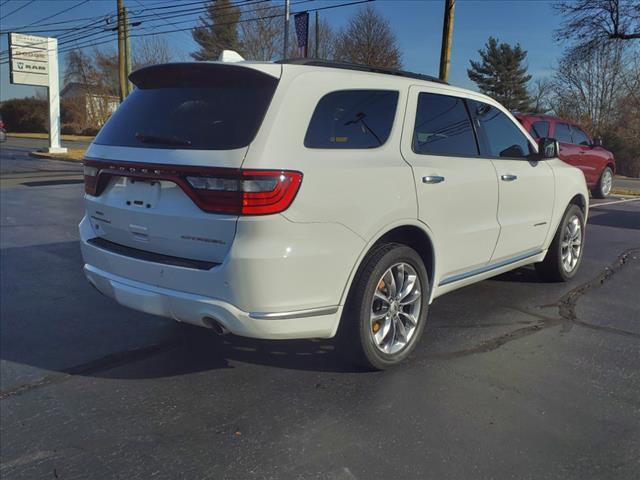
{"x": 140, "y": 193}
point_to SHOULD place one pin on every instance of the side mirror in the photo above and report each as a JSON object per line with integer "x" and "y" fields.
{"x": 548, "y": 148}
{"x": 597, "y": 142}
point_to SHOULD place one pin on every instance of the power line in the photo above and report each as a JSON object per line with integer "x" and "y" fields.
{"x": 18, "y": 9}
{"x": 59, "y": 13}
{"x": 96, "y": 43}
{"x": 262, "y": 18}
{"x": 138, "y": 15}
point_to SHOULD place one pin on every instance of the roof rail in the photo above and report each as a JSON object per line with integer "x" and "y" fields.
{"x": 314, "y": 62}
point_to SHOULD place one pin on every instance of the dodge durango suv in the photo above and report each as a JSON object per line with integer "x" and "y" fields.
{"x": 307, "y": 199}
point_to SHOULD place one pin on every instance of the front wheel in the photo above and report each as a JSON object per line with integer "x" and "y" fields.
{"x": 603, "y": 188}
{"x": 387, "y": 307}
{"x": 565, "y": 252}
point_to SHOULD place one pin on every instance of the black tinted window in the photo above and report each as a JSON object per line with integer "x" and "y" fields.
{"x": 539, "y": 129}
{"x": 443, "y": 127}
{"x": 193, "y": 106}
{"x": 579, "y": 137}
{"x": 504, "y": 138}
{"x": 352, "y": 119}
{"x": 563, "y": 133}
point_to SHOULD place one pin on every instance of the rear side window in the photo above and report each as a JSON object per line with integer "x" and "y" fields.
{"x": 579, "y": 137}
{"x": 539, "y": 129}
{"x": 443, "y": 127}
{"x": 352, "y": 119}
{"x": 191, "y": 106}
{"x": 563, "y": 133}
{"x": 504, "y": 138}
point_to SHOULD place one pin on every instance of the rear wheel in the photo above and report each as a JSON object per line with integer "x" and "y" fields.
{"x": 387, "y": 307}
{"x": 565, "y": 252}
{"x": 605, "y": 184}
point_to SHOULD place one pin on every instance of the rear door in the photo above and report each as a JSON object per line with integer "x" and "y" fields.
{"x": 588, "y": 159}
{"x": 527, "y": 188}
{"x": 457, "y": 190}
{"x": 162, "y": 173}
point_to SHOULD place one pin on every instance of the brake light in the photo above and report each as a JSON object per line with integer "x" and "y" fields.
{"x": 250, "y": 192}
{"x": 214, "y": 190}
{"x": 90, "y": 179}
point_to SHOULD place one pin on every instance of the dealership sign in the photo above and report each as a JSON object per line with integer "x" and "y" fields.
{"x": 33, "y": 60}
{"x": 29, "y": 59}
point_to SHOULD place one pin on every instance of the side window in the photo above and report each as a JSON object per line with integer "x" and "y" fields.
{"x": 352, "y": 119}
{"x": 504, "y": 138}
{"x": 563, "y": 133}
{"x": 579, "y": 137}
{"x": 539, "y": 129}
{"x": 443, "y": 127}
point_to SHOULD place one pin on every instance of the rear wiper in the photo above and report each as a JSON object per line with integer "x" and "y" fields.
{"x": 160, "y": 140}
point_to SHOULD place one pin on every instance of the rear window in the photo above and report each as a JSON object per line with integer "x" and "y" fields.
{"x": 191, "y": 106}
{"x": 563, "y": 133}
{"x": 352, "y": 119}
{"x": 443, "y": 127}
{"x": 539, "y": 129}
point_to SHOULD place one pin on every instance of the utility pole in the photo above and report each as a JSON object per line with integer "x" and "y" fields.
{"x": 447, "y": 38}
{"x": 121, "y": 52}
{"x": 317, "y": 49}
{"x": 286, "y": 29}
{"x": 127, "y": 50}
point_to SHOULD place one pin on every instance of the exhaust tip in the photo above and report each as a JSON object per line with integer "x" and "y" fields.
{"x": 215, "y": 325}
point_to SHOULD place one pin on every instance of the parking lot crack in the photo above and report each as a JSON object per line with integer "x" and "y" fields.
{"x": 567, "y": 304}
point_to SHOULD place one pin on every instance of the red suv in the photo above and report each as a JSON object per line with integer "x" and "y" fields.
{"x": 576, "y": 148}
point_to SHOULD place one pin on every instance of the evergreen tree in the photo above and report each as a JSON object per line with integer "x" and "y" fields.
{"x": 217, "y": 30}
{"x": 502, "y": 75}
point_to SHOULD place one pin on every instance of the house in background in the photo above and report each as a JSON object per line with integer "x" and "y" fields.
{"x": 87, "y": 107}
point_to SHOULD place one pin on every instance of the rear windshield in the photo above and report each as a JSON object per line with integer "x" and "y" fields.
{"x": 191, "y": 106}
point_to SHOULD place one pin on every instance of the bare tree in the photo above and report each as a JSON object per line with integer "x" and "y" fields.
{"x": 151, "y": 50}
{"x": 540, "y": 95}
{"x": 261, "y": 33}
{"x": 369, "y": 40}
{"x": 588, "y": 88}
{"x": 592, "y": 22}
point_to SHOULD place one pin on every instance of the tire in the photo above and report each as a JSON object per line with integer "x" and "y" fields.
{"x": 605, "y": 183}
{"x": 364, "y": 338}
{"x": 563, "y": 259}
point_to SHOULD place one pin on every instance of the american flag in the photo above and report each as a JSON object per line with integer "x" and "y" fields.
{"x": 302, "y": 32}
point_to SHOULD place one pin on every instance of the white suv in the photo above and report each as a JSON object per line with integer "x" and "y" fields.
{"x": 286, "y": 200}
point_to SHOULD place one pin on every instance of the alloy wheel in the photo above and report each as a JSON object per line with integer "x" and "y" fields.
{"x": 395, "y": 308}
{"x": 571, "y": 244}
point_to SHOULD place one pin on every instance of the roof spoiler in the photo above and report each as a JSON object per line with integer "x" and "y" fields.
{"x": 230, "y": 56}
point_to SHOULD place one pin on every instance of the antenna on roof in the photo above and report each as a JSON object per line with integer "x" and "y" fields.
{"x": 230, "y": 56}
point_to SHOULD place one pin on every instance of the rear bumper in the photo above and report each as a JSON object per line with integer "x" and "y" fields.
{"x": 190, "y": 308}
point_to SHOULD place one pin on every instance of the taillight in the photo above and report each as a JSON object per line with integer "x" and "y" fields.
{"x": 214, "y": 190}
{"x": 90, "y": 179}
{"x": 249, "y": 192}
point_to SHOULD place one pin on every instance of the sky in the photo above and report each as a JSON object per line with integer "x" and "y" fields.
{"x": 416, "y": 23}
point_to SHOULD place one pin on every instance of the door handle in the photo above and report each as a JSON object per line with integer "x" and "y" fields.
{"x": 432, "y": 179}
{"x": 508, "y": 178}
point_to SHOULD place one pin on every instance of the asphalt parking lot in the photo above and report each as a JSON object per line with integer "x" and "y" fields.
{"x": 514, "y": 378}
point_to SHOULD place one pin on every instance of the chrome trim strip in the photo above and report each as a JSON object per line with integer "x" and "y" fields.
{"x": 478, "y": 271}
{"x": 312, "y": 312}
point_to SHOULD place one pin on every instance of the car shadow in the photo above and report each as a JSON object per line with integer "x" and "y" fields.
{"x": 53, "y": 320}
{"x": 615, "y": 218}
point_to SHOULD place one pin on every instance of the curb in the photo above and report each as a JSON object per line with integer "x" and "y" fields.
{"x": 49, "y": 156}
